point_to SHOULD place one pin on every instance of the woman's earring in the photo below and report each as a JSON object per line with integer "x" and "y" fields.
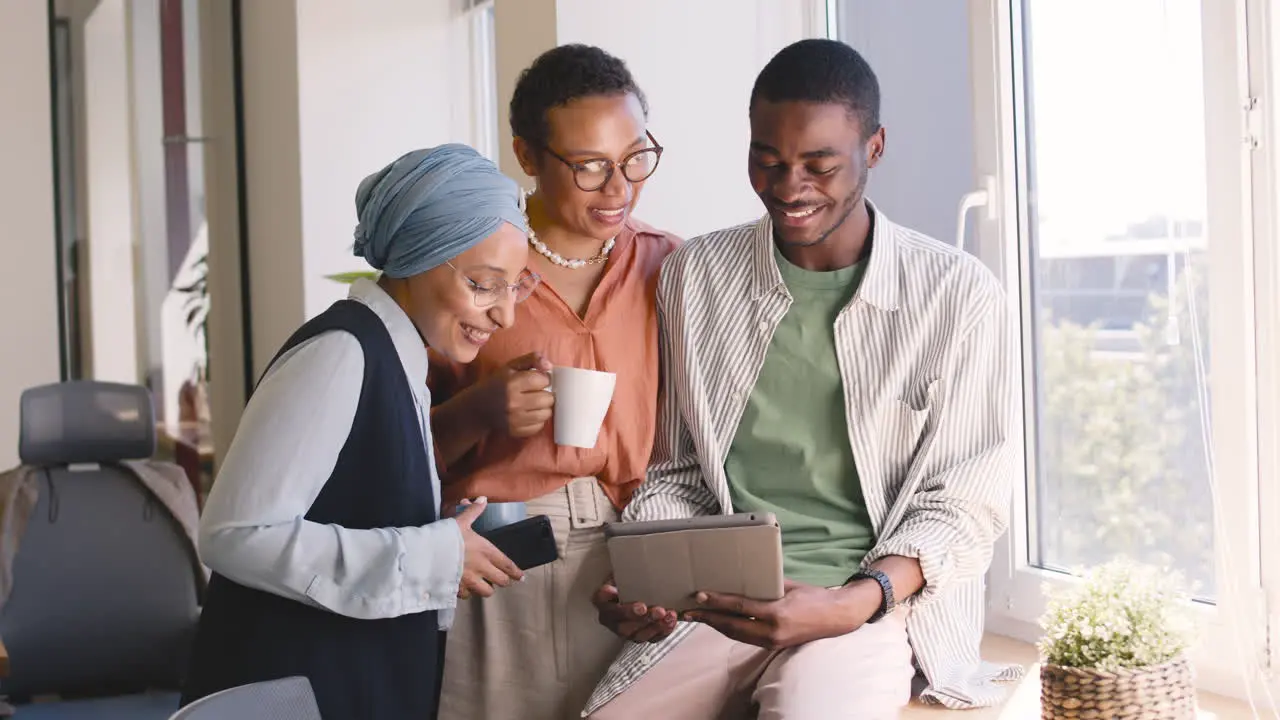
{"x": 524, "y": 208}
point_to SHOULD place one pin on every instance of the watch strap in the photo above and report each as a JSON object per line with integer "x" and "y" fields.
{"x": 887, "y": 600}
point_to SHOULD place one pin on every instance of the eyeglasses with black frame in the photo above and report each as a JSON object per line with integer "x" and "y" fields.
{"x": 488, "y": 292}
{"x": 593, "y": 174}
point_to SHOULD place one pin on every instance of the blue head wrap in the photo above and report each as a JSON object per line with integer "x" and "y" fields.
{"x": 430, "y": 206}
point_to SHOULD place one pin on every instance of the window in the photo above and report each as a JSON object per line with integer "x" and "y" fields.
{"x": 1124, "y": 225}
{"x": 1127, "y": 197}
{"x": 484, "y": 78}
{"x": 1121, "y": 441}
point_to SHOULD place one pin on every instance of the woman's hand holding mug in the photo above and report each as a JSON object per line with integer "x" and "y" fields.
{"x": 516, "y": 397}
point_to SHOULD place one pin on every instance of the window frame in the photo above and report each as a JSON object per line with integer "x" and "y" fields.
{"x": 1244, "y": 328}
{"x": 485, "y": 115}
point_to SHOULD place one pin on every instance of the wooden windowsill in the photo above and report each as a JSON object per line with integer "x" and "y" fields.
{"x": 1025, "y": 700}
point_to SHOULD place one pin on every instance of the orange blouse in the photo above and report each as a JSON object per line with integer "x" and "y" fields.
{"x": 619, "y": 334}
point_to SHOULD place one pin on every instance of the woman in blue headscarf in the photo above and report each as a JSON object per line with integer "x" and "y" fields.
{"x": 330, "y": 559}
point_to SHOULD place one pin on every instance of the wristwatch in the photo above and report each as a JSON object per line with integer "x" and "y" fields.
{"x": 887, "y": 602}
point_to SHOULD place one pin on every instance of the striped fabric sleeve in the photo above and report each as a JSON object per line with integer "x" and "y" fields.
{"x": 674, "y": 486}
{"x": 966, "y": 461}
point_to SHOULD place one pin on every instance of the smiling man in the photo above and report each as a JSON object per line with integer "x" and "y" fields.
{"x": 856, "y": 379}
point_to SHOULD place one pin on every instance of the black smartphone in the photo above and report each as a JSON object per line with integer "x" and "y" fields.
{"x": 529, "y": 543}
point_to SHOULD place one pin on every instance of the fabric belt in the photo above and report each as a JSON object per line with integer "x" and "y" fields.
{"x": 589, "y": 507}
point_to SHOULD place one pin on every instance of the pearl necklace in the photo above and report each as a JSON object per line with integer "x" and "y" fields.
{"x": 552, "y": 255}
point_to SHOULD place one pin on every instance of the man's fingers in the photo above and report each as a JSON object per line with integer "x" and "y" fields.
{"x": 657, "y": 629}
{"x": 625, "y": 613}
{"x": 606, "y": 595}
{"x": 648, "y": 633}
{"x": 733, "y": 627}
{"x": 636, "y": 621}
{"x": 630, "y": 627}
{"x": 642, "y": 629}
{"x": 735, "y": 604}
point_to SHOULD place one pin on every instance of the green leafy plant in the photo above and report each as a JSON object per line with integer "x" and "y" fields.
{"x": 347, "y": 278}
{"x": 1122, "y": 615}
{"x": 196, "y": 304}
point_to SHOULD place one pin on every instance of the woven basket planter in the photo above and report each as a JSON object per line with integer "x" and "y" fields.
{"x": 1162, "y": 692}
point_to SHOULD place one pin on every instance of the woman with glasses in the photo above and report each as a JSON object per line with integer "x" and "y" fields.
{"x": 536, "y": 651}
{"x": 322, "y": 530}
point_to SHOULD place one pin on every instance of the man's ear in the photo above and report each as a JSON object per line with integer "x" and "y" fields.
{"x": 526, "y": 155}
{"x": 875, "y": 148}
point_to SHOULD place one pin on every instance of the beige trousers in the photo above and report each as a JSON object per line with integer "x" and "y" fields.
{"x": 865, "y": 675}
{"x": 535, "y": 650}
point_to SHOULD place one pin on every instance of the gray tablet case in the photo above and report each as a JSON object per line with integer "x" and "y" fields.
{"x": 663, "y": 563}
{"x": 701, "y": 522}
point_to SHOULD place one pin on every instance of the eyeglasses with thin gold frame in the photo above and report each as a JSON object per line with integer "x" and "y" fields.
{"x": 489, "y": 292}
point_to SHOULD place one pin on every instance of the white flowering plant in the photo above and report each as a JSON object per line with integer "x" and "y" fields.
{"x": 1122, "y": 615}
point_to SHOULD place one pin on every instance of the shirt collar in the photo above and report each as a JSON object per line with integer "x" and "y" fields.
{"x": 404, "y": 334}
{"x": 879, "y": 286}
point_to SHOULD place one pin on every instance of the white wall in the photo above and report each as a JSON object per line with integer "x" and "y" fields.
{"x": 919, "y": 50}
{"x": 376, "y": 79}
{"x": 696, "y": 62}
{"x": 333, "y": 91}
{"x": 111, "y": 194}
{"x": 28, "y": 285}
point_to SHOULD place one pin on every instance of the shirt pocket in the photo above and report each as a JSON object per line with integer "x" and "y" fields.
{"x": 910, "y": 414}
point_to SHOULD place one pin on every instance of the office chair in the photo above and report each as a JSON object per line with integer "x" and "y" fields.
{"x": 104, "y": 601}
{"x": 289, "y": 698}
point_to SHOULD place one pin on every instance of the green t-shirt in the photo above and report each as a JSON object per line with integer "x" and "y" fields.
{"x": 791, "y": 453}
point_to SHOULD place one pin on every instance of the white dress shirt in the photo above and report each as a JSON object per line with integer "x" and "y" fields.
{"x": 253, "y": 529}
{"x": 928, "y": 367}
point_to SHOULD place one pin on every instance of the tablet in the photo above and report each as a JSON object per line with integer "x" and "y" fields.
{"x": 701, "y": 522}
{"x": 665, "y": 563}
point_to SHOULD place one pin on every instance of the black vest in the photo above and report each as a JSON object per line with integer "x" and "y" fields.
{"x": 365, "y": 669}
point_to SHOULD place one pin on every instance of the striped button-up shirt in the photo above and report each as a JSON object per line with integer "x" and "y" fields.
{"x": 927, "y": 359}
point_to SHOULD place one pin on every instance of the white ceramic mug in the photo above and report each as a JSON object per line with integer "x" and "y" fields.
{"x": 582, "y": 401}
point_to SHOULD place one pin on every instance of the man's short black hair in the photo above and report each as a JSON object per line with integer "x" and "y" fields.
{"x": 822, "y": 71}
{"x": 563, "y": 74}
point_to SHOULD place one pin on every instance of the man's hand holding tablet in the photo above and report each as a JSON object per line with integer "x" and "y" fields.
{"x": 804, "y": 614}
{"x": 634, "y": 621}
{"x": 660, "y": 566}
